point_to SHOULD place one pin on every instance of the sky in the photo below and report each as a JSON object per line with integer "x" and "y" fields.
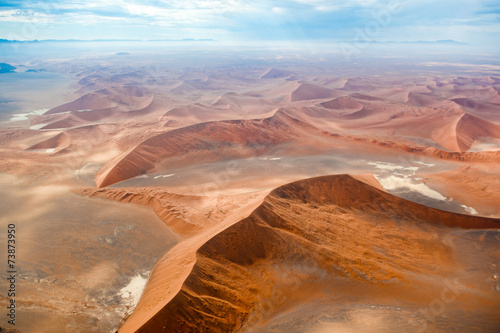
{"x": 468, "y": 21}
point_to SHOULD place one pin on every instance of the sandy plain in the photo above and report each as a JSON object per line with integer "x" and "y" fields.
{"x": 258, "y": 198}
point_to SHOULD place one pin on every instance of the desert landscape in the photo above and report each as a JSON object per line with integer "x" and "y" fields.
{"x": 207, "y": 190}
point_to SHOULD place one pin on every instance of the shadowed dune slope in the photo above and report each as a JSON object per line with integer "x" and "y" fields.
{"x": 299, "y": 242}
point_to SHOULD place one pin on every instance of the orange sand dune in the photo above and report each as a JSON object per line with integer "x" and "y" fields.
{"x": 358, "y": 84}
{"x": 483, "y": 94}
{"x": 458, "y": 131}
{"x": 68, "y": 121}
{"x": 86, "y": 102}
{"x": 307, "y": 91}
{"x": 210, "y": 141}
{"x": 94, "y": 115}
{"x": 304, "y": 241}
{"x": 60, "y": 141}
{"x": 193, "y": 114}
{"x": 488, "y": 111}
{"x": 365, "y": 97}
{"x": 475, "y": 186}
{"x": 182, "y": 87}
{"x": 243, "y": 104}
{"x": 394, "y": 94}
{"x": 423, "y": 99}
{"x": 471, "y": 128}
{"x": 214, "y": 141}
{"x": 335, "y": 83}
{"x": 344, "y": 103}
{"x": 179, "y": 212}
{"x": 274, "y": 73}
{"x": 206, "y": 83}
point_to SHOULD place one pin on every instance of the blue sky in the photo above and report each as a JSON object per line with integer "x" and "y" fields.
{"x": 470, "y": 21}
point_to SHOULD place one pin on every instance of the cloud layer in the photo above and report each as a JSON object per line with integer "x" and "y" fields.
{"x": 462, "y": 20}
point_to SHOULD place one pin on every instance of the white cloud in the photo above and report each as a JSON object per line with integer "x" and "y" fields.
{"x": 462, "y": 20}
{"x": 278, "y": 10}
{"x": 327, "y": 5}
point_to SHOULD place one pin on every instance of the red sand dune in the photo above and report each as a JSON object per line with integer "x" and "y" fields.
{"x": 313, "y": 228}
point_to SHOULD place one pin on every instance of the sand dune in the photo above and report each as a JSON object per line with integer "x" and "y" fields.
{"x": 345, "y": 104}
{"x": 302, "y": 242}
{"x": 58, "y": 142}
{"x": 193, "y": 114}
{"x": 214, "y": 141}
{"x": 394, "y": 94}
{"x": 210, "y": 141}
{"x": 68, "y": 121}
{"x": 86, "y": 102}
{"x": 365, "y": 97}
{"x": 328, "y": 250}
{"x": 307, "y": 91}
{"x": 179, "y": 212}
{"x": 182, "y": 87}
{"x": 359, "y": 84}
{"x": 470, "y": 128}
{"x": 274, "y": 73}
{"x": 475, "y": 186}
{"x": 243, "y": 104}
{"x": 488, "y": 111}
{"x": 422, "y": 99}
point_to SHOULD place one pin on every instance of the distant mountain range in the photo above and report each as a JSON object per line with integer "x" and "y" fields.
{"x": 6, "y": 68}
{"x": 105, "y": 40}
{"x": 444, "y": 41}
